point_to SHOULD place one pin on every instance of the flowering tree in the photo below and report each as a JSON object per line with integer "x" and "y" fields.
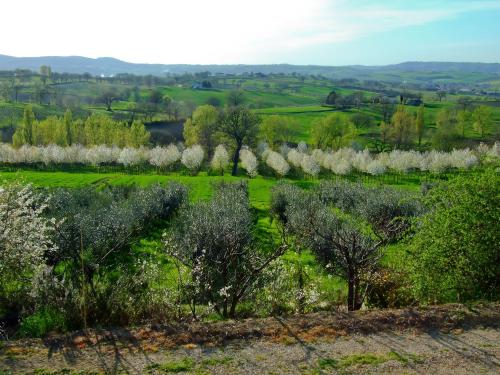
{"x": 340, "y": 162}
{"x": 249, "y": 161}
{"x": 164, "y": 157}
{"x": 310, "y": 166}
{"x": 192, "y": 157}
{"x": 25, "y": 235}
{"x": 278, "y": 163}
{"x": 220, "y": 159}
{"x": 295, "y": 157}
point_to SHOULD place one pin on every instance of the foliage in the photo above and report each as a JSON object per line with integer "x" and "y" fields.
{"x": 390, "y": 288}
{"x": 342, "y": 243}
{"x": 454, "y": 252}
{"x": 239, "y": 126}
{"x": 333, "y": 131}
{"x": 42, "y": 322}
{"x": 401, "y": 129}
{"x": 25, "y": 239}
{"x": 98, "y": 229}
{"x": 215, "y": 240}
{"x": 63, "y": 131}
{"x": 482, "y": 118}
{"x": 201, "y": 127}
{"x": 276, "y": 130}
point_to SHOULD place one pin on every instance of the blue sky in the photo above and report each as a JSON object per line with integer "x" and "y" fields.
{"x": 321, "y": 32}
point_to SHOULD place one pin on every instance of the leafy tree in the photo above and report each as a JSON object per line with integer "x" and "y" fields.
{"x": 401, "y": 128}
{"x": 138, "y": 135}
{"x": 362, "y": 120}
{"x": 463, "y": 119}
{"x": 239, "y": 126}
{"x": 24, "y": 134}
{"x": 276, "y": 130}
{"x": 68, "y": 124}
{"x": 446, "y": 135}
{"x": 108, "y": 96}
{"x": 332, "y": 97}
{"x": 155, "y": 97}
{"x": 201, "y": 128}
{"x": 333, "y": 131}
{"x": 235, "y": 98}
{"x": 214, "y": 101}
{"x": 420, "y": 124}
{"x": 45, "y": 73}
{"x": 482, "y": 117}
{"x": 441, "y": 94}
{"x": 96, "y": 226}
{"x": 454, "y": 253}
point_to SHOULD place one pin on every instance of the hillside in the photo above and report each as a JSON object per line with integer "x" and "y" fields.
{"x": 110, "y": 66}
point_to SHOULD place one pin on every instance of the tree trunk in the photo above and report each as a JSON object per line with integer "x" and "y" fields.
{"x": 236, "y": 158}
{"x": 232, "y": 311}
{"x": 350, "y": 295}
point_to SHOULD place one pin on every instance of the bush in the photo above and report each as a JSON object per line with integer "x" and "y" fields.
{"x": 389, "y": 288}
{"x": 42, "y": 322}
{"x": 454, "y": 255}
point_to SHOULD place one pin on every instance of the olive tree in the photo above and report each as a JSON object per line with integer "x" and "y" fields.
{"x": 215, "y": 239}
{"x": 346, "y": 226}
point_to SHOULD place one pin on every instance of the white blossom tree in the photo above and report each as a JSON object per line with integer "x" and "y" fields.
{"x": 220, "y": 160}
{"x": 25, "y": 235}
{"x": 278, "y": 163}
{"x": 310, "y": 166}
{"x": 249, "y": 161}
{"x": 192, "y": 157}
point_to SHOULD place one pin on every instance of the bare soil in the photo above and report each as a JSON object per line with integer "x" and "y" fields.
{"x": 446, "y": 339}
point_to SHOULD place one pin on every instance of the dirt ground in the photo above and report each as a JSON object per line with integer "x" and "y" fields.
{"x": 449, "y": 339}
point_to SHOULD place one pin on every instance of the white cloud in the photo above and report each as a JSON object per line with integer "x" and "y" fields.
{"x": 191, "y": 31}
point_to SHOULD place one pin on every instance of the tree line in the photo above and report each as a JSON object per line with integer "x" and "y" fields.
{"x": 65, "y": 131}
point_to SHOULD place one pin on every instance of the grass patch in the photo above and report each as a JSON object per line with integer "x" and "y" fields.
{"x": 370, "y": 359}
{"x": 185, "y": 364}
{"x": 217, "y": 361}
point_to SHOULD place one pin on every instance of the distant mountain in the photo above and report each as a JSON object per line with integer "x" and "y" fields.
{"x": 108, "y": 66}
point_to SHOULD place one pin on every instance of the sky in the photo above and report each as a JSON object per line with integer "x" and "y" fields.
{"x": 317, "y": 32}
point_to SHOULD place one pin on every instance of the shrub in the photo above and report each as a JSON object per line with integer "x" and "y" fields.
{"x": 389, "y": 288}
{"x": 42, "y": 322}
{"x": 453, "y": 255}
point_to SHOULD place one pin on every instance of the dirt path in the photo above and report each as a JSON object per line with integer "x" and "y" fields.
{"x": 442, "y": 340}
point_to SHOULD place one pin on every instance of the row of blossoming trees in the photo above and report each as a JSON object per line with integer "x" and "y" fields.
{"x": 310, "y": 163}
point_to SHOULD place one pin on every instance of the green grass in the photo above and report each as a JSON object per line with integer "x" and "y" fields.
{"x": 183, "y": 365}
{"x": 367, "y": 359}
